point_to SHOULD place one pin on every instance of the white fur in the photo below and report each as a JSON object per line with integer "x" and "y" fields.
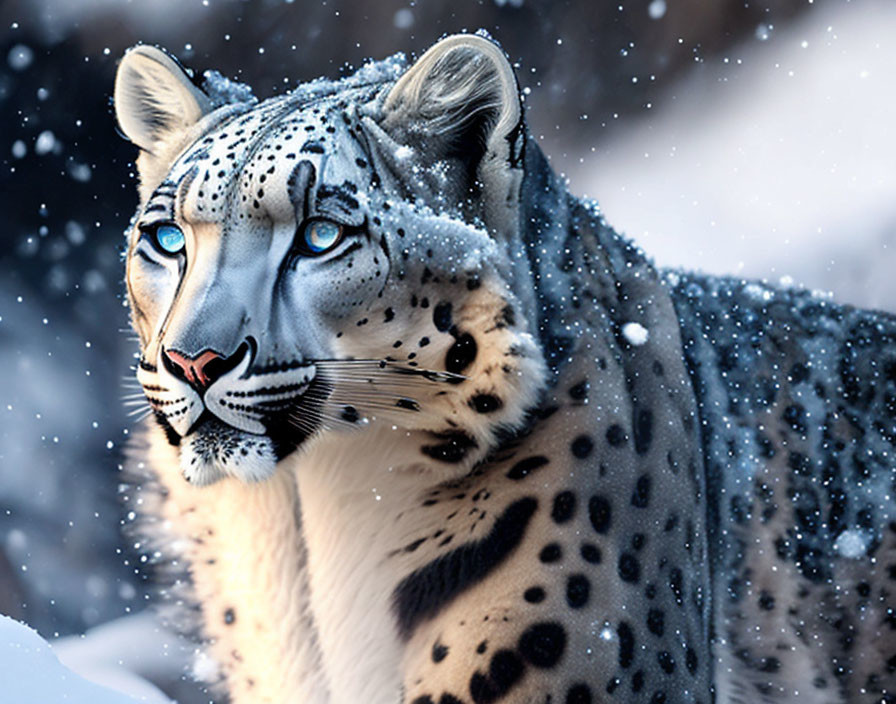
{"x": 251, "y": 533}
{"x": 351, "y": 489}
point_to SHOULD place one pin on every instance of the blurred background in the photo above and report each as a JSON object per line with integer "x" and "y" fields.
{"x": 746, "y": 138}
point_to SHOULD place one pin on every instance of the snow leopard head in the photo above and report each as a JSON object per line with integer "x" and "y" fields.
{"x": 337, "y": 257}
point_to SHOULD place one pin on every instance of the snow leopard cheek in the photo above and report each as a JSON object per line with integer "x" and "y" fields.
{"x": 338, "y": 287}
{"x": 151, "y": 290}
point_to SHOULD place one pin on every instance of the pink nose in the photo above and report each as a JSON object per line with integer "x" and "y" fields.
{"x": 195, "y": 370}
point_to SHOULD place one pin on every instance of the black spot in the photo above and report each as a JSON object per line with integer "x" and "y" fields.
{"x": 671, "y": 522}
{"x": 766, "y": 601}
{"x": 638, "y": 681}
{"x": 812, "y": 563}
{"x": 579, "y": 392}
{"x": 424, "y": 341}
{"x": 591, "y": 553}
{"x": 599, "y": 512}
{"x": 616, "y": 435}
{"x": 508, "y": 316}
{"x": 656, "y": 622}
{"x": 641, "y": 494}
{"x": 666, "y": 662}
{"x": 229, "y": 616}
{"x": 425, "y": 699}
{"x": 740, "y": 510}
{"x": 485, "y": 403}
{"x": 675, "y": 584}
{"x": 505, "y": 670}
{"x": 523, "y": 468}
{"x": 626, "y": 644}
{"x": 582, "y": 446}
{"x": 690, "y": 660}
{"x": 312, "y": 147}
{"x": 534, "y": 595}
{"x": 482, "y": 647}
{"x": 543, "y": 644}
{"x": 795, "y": 416}
{"x": 461, "y": 354}
{"x": 408, "y": 404}
{"x": 170, "y": 433}
{"x": 643, "y": 430}
{"x": 388, "y": 315}
{"x": 578, "y": 694}
{"x": 426, "y": 591}
{"x": 550, "y": 553}
{"x": 799, "y": 373}
{"x": 545, "y": 412}
{"x": 455, "y": 447}
{"x": 441, "y": 316}
{"x": 350, "y": 414}
{"x": 411, "y": 547}
{"x": 564, "y": 507}
{"x": 578, "y": 589}
{"x": 629, "y": 568}
{"x": 439, "y": 652}
{"x": 769, "y": 664}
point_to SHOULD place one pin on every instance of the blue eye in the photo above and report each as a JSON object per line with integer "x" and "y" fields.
{"x": 170, "y": 238}
{"x": 319, "y": 236}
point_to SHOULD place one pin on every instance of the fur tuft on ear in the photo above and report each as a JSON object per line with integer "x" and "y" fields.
{"x": 155, "y": 99}
{"x": 462, "y": 92}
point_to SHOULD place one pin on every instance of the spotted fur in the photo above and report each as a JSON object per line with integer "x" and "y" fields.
{"x": 481, "y": 450}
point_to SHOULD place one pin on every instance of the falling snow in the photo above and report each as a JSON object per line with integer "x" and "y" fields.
{"x": 852, "y": 543}
{"x": 635, "y": 333}
{"x": 62, "y": 317}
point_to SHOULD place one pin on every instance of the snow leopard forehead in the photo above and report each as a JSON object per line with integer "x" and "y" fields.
{"x": 249, "y": 166}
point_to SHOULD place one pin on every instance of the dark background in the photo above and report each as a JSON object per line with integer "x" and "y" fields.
{"x": 599, "y": 74}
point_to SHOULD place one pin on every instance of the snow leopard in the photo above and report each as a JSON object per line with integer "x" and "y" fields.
{"x": 426, "y": 429}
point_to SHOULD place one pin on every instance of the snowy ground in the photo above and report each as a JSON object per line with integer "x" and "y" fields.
{"x": 39, "y": 676}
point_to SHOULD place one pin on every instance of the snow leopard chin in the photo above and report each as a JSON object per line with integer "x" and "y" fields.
{"x": 216, "y": 450}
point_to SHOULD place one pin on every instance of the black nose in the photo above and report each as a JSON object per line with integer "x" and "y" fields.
{"x": 203, "y": 369}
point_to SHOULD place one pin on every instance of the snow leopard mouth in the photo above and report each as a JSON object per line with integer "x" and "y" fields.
{"x": 219, "y": 439}
{"x": 212, "y": 449}
{"x": 279, "y": 427}
{"x": 343, "y": 394}
{"x": 340, "y": 394}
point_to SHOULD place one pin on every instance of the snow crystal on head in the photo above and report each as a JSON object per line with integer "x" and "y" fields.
{"x": 223, "y": 91}
{"x": 388, "y": 69}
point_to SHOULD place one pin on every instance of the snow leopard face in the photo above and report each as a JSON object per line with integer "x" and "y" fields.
{"x": 320, "y": 261}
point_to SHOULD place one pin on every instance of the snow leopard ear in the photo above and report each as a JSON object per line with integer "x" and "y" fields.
{"x": 460, "y": 97}
{"x": 155, "y": 98}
